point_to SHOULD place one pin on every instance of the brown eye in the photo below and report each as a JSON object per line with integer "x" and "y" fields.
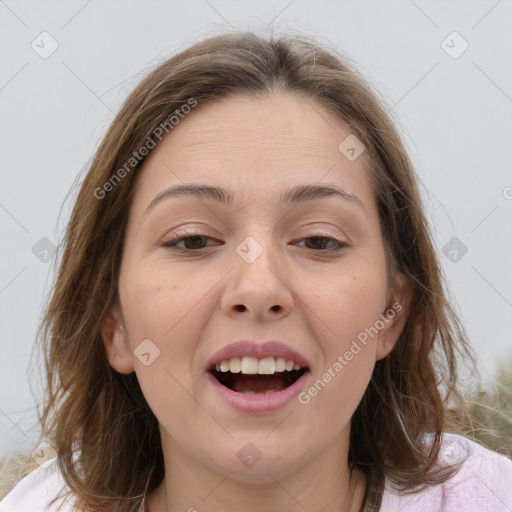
{"x": 193, "y": 242}
{"x": 319, "y": 244}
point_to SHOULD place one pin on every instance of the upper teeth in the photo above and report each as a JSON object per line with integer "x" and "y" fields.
{"x": 253, "y": 366}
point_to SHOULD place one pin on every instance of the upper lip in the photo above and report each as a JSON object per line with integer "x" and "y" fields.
{"x": 249, "y": 348}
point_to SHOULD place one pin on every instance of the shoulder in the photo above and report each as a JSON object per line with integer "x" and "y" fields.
{"x": 36, "y": 490}
{"x": 482, "y": 484}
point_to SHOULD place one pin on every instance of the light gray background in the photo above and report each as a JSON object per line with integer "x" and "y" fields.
{"x": 455, "y": 115}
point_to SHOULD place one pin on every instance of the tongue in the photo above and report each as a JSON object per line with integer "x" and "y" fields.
{"x": 258, "y": 383}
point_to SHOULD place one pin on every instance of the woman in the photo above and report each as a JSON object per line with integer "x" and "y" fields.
{"x": 249, "y": 312}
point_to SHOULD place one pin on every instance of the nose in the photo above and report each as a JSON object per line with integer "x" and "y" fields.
{"x": 260, "y": 287}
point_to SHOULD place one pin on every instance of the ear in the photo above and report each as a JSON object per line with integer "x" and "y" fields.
{"x": 117, "y": 344}
{"x": 394, "y": 316}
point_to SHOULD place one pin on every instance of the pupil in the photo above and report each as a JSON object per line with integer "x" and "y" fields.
{"x": 195, "y": 237}
{"x": 316, "y": 239}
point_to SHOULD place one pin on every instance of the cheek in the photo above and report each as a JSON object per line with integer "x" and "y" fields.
{"x": 160, "y": 316}
{"x": 338, "y": 388}
{"x": 160, "y": 302}
{"x": 345, "y": 303}
{"x": 159, "y": 308}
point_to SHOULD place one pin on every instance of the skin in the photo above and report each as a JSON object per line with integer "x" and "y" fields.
{"x": 186, "y": 303}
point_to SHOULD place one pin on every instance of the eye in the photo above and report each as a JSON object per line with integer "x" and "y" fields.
{"x": 194, "y": 241}
{"x": 320, "y": 241}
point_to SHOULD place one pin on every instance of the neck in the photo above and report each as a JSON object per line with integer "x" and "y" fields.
{"x": 323, "y": 484}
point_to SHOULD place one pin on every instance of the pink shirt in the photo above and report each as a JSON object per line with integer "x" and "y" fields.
{"x": 483, "y": 484}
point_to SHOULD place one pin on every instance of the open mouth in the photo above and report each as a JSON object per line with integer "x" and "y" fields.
{"x": 257, "y": 384}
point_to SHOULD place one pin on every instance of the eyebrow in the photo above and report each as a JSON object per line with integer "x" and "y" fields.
{"x": 224, "y": 196}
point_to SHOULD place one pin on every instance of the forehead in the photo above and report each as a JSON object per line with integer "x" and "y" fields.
{"x": 276, "y": 122}
{"x": 254, "y": 145}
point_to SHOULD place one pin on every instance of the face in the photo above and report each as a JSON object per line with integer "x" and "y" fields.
{"x": 309, "y": 273}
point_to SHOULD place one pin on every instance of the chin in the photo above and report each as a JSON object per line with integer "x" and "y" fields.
{"x": 249, "y": 464}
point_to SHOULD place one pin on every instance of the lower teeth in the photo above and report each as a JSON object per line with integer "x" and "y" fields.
{"x": 250, "y": 392}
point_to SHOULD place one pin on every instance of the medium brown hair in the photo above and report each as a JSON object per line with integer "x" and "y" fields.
{"x": 102, "y": 416}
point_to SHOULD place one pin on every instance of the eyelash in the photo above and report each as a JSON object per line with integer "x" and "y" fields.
{"x": 172, "y": 243}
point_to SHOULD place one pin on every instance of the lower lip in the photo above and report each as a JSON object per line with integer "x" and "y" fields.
{"x": 262, "y": 402}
